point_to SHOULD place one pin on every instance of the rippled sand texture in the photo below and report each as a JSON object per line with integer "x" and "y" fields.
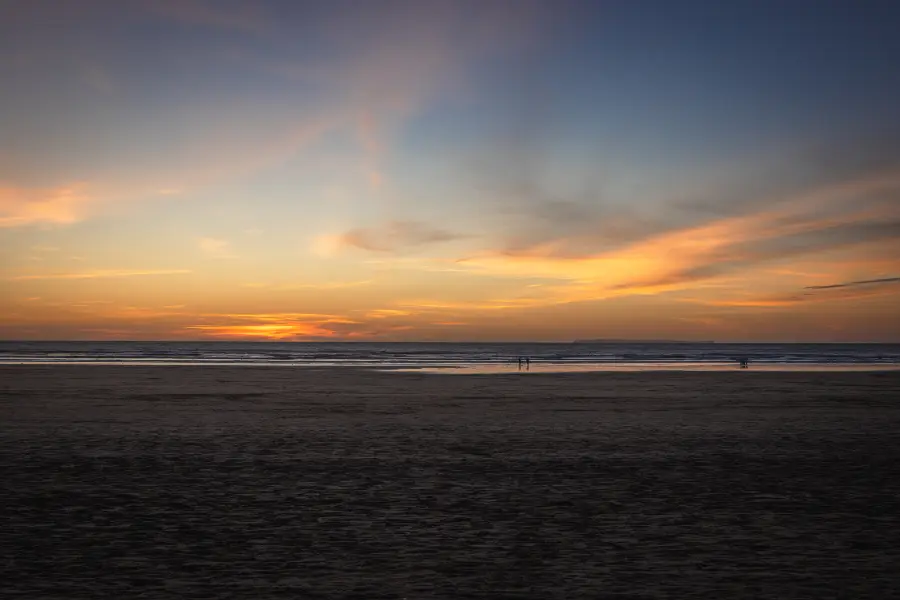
{"x": 181, "y": 482}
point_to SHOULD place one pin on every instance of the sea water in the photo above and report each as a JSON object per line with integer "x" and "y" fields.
{"x": 467, "y": 357}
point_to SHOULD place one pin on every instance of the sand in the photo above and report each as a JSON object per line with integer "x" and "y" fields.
{"x": 229, "y": 482}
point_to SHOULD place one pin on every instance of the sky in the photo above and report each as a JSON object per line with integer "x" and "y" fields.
{"x": 450, "y": 170}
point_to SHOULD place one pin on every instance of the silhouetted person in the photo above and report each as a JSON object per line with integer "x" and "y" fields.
{"x": 527, "y": 363}
{"x": 744, "y": 362}
{"x": 520, "y": 362}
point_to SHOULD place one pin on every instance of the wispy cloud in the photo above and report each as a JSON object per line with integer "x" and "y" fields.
{"x": 417, "y": 263}
{"x": 396, "y": 57}
{"x": 275, "y": 317}
{"x": 215, "y": 248}
{"x": 852, "y": 290}
{"x": 264, "y": 331}
{"x": 387, "y": 313}
{"x": 100, "y": 274}
{"x": 394, "y": 236}
{"x": 280, "y": 326}
{"x": 57, "y": 206}
{"x": 325, "y": 285}
{"x": 132, "y": 313}
{"x": 865, "y": 282}
{"x": 442, "y": 306}
{"x": 597, "y": 210}
{"x": 794, "y": 299}
{"x": 836, "y": 217}
{"x": 405, "y": 54}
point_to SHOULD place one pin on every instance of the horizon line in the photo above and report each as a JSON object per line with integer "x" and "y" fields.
{"x": 333, "y": 341}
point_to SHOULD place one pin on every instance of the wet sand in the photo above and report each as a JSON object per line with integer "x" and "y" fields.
{"x": 199, "y": 482}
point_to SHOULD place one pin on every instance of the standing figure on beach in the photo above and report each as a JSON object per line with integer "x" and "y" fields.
{"x": 744, "y": 362}
{"x": 519, "y": 360}
{"x": 527, "y": 363}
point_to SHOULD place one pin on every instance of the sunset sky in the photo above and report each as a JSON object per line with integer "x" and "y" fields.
{"x": 450, "y": 170}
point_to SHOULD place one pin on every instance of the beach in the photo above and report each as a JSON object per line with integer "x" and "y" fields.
{"x": 256, "y": 482}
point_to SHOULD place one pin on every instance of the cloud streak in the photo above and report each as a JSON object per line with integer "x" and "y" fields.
{"x": 293, "y": 326}
{"x": 394, "y": 236}
{"x": 324, "y": 286}
{"x": 833, "y": 218}
{"x": 57, "y": 206}
{"x": 399, "y": 55}
{"x": 865, "y": 282}
{"x": 100, "y": 274}
{"x": 819, "y": 294}
{"x": 268, "y": 331}
{"x": 405, "y": 54}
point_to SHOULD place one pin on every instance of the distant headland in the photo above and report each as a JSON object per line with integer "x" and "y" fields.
{"x": 619, "y": 341}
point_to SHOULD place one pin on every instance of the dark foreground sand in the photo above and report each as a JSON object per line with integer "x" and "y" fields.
{"x": 199, "y": 482}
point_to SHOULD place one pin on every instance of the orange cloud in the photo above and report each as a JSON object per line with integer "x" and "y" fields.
{"x": 753, "y": 303}
{"x": 292, "y": 326}
{"x": 385, "y": 313}
{"x": 60, "y": 206}
{"x": 269, "y": 317}
{"x": 269, "y": 331}
{"x": 416, "y": 263}
{"x": 273, "y": 325}
{"x": 99, "y": 274}
{"x": 478, "y": 305}
{"x": 141, "y": 312}
{"x": 327, "y": 285}
{"x": 848, "y": 215}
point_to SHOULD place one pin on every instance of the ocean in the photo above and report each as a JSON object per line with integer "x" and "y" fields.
{"x": 462, "y": 356}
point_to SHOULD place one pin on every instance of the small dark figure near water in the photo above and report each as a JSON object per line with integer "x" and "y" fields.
{"x": 519, "y": 360}
{"x": 527, "y": 363}
{"x": 744, "y": 362}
